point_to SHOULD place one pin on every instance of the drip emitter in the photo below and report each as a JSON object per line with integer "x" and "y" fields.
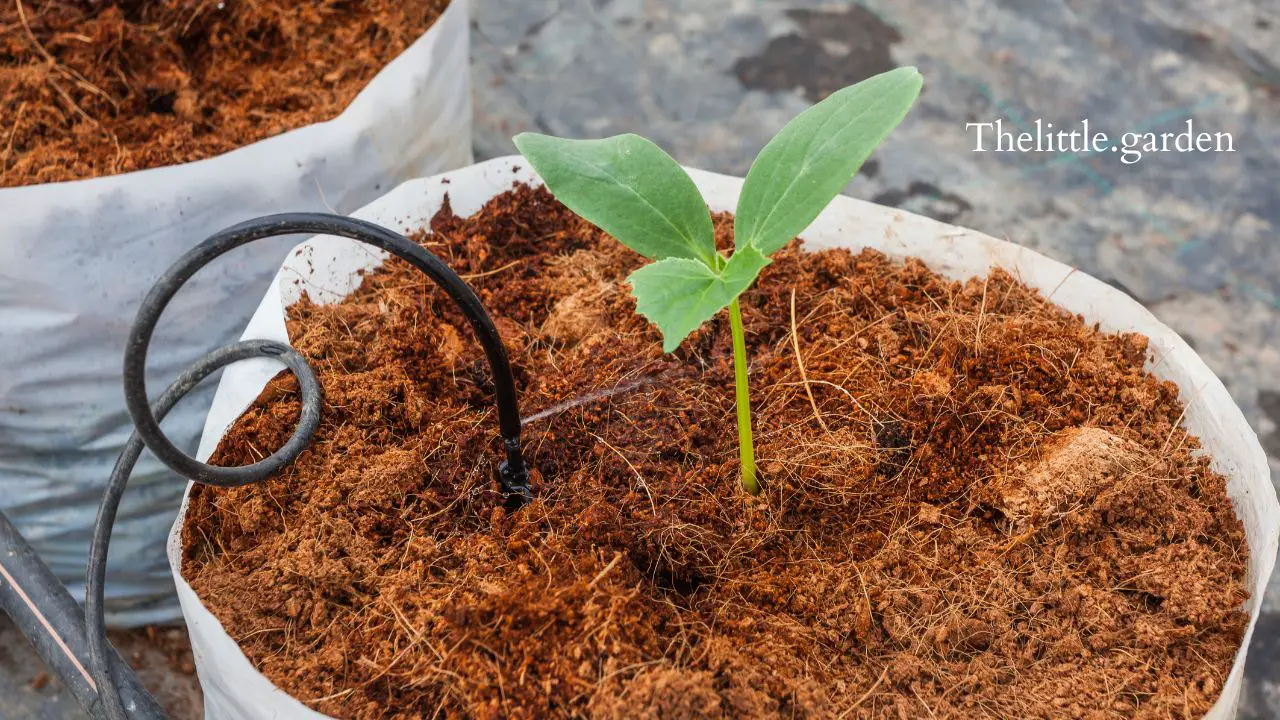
{"x": 74, "y": 645}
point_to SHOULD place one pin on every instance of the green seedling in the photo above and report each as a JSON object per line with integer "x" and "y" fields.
{"x": 631, "y": 189}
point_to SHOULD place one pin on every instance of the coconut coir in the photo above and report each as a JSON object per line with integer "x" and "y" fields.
{"x": 99, "y": 87}
{"x": 987, "y": 510}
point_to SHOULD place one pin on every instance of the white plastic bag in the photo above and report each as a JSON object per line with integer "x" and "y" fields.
{"x": 76, "y": 258}
{"x": 327, "y": 267}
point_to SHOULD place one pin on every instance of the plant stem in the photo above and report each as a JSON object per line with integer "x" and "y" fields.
{"x": 746, "y": 450}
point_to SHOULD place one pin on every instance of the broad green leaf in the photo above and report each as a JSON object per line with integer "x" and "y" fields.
{"x": 628, "y": 187}
{"x": 802, "y": 168}
{"x": 678, "y": 294}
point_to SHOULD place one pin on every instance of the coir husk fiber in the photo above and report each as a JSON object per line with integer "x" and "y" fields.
{"x": 974, "y": 504}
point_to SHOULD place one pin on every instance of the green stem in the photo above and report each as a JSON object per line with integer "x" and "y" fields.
{"x": 746, "y": 450}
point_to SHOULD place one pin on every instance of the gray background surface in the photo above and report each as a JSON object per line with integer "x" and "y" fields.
{"x": 1193, "y": 236}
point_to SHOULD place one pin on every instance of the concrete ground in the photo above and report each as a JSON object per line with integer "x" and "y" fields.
{"x": 1191, "y": 235}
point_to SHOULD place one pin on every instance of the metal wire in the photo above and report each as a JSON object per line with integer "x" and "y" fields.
{"x": 513, "y": 475}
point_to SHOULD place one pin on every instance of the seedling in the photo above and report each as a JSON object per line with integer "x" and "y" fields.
{"x": 631, "y": 189}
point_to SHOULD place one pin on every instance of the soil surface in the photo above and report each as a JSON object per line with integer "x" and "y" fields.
{"x": 163, "y": 660}
{"x": 161, "y": 657}
{"x": 99, "y": 87}
{"x": 975, "y": 505}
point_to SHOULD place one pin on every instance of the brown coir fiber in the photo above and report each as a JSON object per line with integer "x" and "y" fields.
{"x": 987, "y": 510}
{"x": 99, "y": 87}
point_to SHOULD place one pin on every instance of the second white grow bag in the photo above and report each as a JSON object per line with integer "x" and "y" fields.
{"x": 76, "y": 258}
{"x": 328, "y": 268}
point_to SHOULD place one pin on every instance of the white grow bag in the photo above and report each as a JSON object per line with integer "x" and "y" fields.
{"x": 328, "y": 268}
{"x": 76, "y": 259}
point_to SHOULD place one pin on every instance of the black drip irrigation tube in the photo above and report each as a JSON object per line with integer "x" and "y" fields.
{"x": 75, "y": 646}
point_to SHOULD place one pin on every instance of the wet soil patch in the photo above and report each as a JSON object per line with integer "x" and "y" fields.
{"x": 987, "y": 510}
{"x": 925, "y": 198}
{"x": 99, "y": 87}
{"x": 833, "y": 49}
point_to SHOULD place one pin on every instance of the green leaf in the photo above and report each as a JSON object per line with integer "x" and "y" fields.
{"x": 678, "y": 294}
{"x": 802, "y": 168}
{"x": 628, "y": 187}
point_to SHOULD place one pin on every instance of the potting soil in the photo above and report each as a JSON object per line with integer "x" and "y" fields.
{"x": 99, "y": 87}
{"x": 974, "y": 504}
